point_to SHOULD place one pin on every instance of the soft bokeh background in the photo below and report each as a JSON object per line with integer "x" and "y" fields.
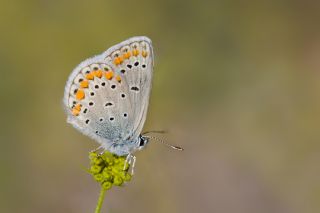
{"x": 237, "y": 83}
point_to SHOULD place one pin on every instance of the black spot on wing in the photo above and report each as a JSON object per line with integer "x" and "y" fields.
{"x": 135, "y": 88}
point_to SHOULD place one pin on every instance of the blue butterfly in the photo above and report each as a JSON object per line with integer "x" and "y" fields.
{"x": 106, "y": 97}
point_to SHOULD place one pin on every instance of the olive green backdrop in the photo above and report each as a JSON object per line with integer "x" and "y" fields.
{"x": 236, "y": 83}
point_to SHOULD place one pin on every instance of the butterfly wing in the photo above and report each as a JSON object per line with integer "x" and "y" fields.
{"x": 106, "y": 97}
{"x": 133, "y": 61}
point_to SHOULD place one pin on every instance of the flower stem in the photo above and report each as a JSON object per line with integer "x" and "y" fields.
{"x": 100, "y": 200}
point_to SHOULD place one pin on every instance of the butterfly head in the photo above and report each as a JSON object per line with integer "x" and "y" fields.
{"x": 142, "y": 141}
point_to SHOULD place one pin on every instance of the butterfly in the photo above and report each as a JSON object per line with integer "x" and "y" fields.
{"x": 106, "y": 97}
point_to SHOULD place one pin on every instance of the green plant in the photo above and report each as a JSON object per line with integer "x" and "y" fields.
{"x": 108, "y": 170}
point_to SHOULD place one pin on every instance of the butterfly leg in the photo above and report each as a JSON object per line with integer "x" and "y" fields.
{"x": 128, "y": 161}
{"x": 133, "y": 164}
{"x": 101, "y": 153}
{"x": 96, "y": 149}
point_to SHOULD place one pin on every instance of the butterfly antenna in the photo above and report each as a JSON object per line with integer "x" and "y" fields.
{"x": 164, "y": 143}
{"x": 155, "y": 131}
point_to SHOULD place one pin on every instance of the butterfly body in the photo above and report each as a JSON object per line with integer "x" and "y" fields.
{"x": 106, "y": 97}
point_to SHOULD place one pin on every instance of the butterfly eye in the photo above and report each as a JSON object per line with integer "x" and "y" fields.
{"x": 141, "y": 143}
{"x": 111, "y": 118}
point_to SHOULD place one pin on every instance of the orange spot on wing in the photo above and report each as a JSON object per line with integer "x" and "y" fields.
{"x": 98, "y": 73}
{"x": 84, "y": 84}
{"x": 75, "y": 112}
{"x": 109, "y": 75}
{"x": 144, "y": 54}
{"x": 118, "y": 78}
{"x": 127, "y": 55}
{"x": 77, "y": 107}
{"x": 118, "y": 60}
{"x": 80, "y": 94}
{"x": 90, "y": 76}
{"x": 135, "y": 52}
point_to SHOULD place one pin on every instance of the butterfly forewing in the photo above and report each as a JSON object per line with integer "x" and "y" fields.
{"x": 134, "y": 63}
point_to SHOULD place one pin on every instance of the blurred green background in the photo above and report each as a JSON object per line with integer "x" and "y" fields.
{"x": 237, "y": 83}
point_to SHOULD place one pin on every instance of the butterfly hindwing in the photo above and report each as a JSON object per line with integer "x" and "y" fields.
{"x": 85, "y": 94}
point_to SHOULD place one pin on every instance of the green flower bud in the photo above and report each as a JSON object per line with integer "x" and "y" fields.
{"x": 116, "y": 161}
{"x": 95, "y": 169}
{"x": 122, "y": 174}
{"x": 97, "y": 161}
{"x": 115, "y": 170}
{"x": 117, "y": 181}
{"x": 108, "y": 169}
{"x": 106, "y": 185}
{"x": 107, "y": 174}
{"x": 107, "y": 155}
{"x": 127, "y": 177}
{"x": 109, "y": 161}
{"x": 98, "y": 177}
{"x": 92, "y": 155}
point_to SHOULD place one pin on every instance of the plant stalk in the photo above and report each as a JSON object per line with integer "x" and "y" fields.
{"x": 100, "y": 200}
